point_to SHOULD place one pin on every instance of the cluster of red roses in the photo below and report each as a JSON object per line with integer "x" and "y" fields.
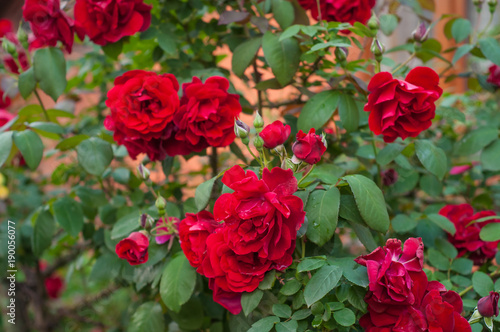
{"x": 400, "y": 297}
{"x": 349, "y": 11}
{"x": 466, "y": 238}
{"x": 147, "y": 115}
{"x": 260, "y": 223}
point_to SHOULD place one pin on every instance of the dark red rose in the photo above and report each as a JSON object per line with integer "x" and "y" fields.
{"x": 5, "y": 27}
{"x": 54, "y": 286}
{"x": 348, "y": 11}
{"x": 393, "y": 272}
{"x": 494, "y": 77}
{"x": 134, "y": 248}
{"x": 108, "y": 21}
{"x": 402, "y": 108}
{"x": 262, "y": 216}
{"x": 488, "y": 305}
{"x": 389, "y": 177}
{"x": 229, "y": 300}
{"x": 466, "y": 238}
{"x": 309, "y": 147}
{"x": 142, "y": 107}
{"x": 49, "y": 23}
{"x": 275, "y": 134}
{"x": 193, "y": 233}
{"x": 205, "y": 118}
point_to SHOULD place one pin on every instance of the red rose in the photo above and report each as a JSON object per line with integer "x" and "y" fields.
{"x": 108, "y": 21}
{"x": 49, "y": 23}
{"x": 142, "y": 108}
{"x": 205, "y": 118}
{"x": 54, "y": 286}
{"x": 494, "y": 77}
{"x": 275, "y": 134}
{"x": 193, "y": 233}
{"x": 229, "y": 300}
{"x": 309, "y": 147}
{"x": 262, "y": 216}
{"x": 349, "y": 11}
{"x": 466, "y": 238}
{"x": 5, "y": 117}
{"x": 6, "y": 30}
{"x": 134, "y": 248}
{"x": 389, "y": 177}
{"x": 393, "y": 272}
{"x": 488, "y": 305}
{"x": 402, "y": 108}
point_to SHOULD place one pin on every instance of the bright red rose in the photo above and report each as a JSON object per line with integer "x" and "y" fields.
{"x": 348, "y": 11}
{"x": 488, "y": 305}
{"x": 108, "y": 21}
{"x": 393, "y": 272}
{"x": 49, "y": 23}
{"x": 193, "y": 233}
{"x": 205, "y": 118}
{"x": 229, "y": 300}
{"x": 275, "y": 134}
{"x": 142, "y": 107}
{"x": 54, "y": 286}
{"x": 134, "y": 248}
{"x": 5, "y": 117}
{"x": 494, "y": 77}
{"x": 262, "y": 216}
{"x": 402, "y": 108}
{"x": 466, "y": 238}
{"x": 309, "y": 147}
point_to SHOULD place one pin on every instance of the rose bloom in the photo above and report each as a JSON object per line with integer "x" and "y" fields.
{"x": 134, "y": 248}
{"x": 275, "y": 134}
{"x": 402, "y": 108}
{"x": 205, "y": 118}
{"x": 106, "y": 21}
{"x": 488, "y": 305}
{"x": 193, "y": 233}
{"x": 49, "y": 23}
{"x": 162, "y": 229}
{"x": 54, "y": 286}
{"x": 348, "y": 11}
{"x": 466, "y": 238}
{"x": 494, "y": 77}
{"x": 308, "y": 147}
{"x": 5, "y": 117}
{"x": 142, "y": 107}
{"x": 389, "y": 177}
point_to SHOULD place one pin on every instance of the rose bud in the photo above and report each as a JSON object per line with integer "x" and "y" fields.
{"x": 389, "y": 177}
{"x": 54, "y": 286}
{"x": 420, "y": 33}
{"x": 143, "y": 172}
{"x": 493, "y": 5}
{"x": 494, "y": 77}
{"x": 373, "y": 23}
{"x": 134, "y": 248}
{"x": 488, "y": 305}
{"x": 377, "y": 49}
{"x": 275, "y": 134}
{"x": 146, "y": 221}
{"x": 341, "y": 54}
{"x": 241, "y": 129}
{"x": 258, "y": 122}
{"x": 308, "y": 147}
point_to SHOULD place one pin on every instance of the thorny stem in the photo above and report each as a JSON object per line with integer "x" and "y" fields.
{"x": 43, "y": 107}
{"x": 253, "y": 155}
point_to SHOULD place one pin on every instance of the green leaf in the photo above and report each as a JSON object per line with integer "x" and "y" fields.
{"x": 310, "y": 264}
{"x": 432, "y": 157}
{"x": 318, "y": 110}
{"x": 177, "y": 282}
{"x": 322, "y": 211}
{"x": 113, "y": 50}
{"x": 290, "y": 32}
{"x": 49, "y": 127}
{"x": 190, "y": 317}
{"x": 438, "y": 260}
{"x": 203, "y": 192}
{"x": 388, "y": 23}
{"x": 5, "y": 146}
{"x": 288, "y": 326}
{"x": 490, "y": 48}
{"x": 364, "y": 235}
{"x": 282, "y": 310}
{"x": 27, "y": 83}
{"x": 482, "y": 283}
{"x": 490, "y": 157}
{"x": 352, "y": 271}
{"x": 490, "y": 232}
{"x": 265, "y": 324}
{"x": 403, "y": 224}
{"x": 283, "y": 13}
{"x": 301, "y": 314}
{"x": 389, "y": 153}
{"x": 348, "y": 111}
{"x": 237, "y": 152}
{"x": 271, "y": 84}
{"x": 321, "y": 283}
{"x": 282, "y": 56}
{"x": 462, "y": 266}
{"x": 106, "y": 267}
{"x": 291, "y": 287}
{"x": 370, "y": 202}
{"x": 460, "y": 29}
{"x": 31, "y": 147}
{"x": 443, "y": 222}
{"x": 345, "y": 317}
{"x": 167, "y": 41}
{"x": 69, "y": 215}
{"x": 49, "y": 68}
{"x": 268, "y": 281}
{"x": 461, "y": 51}
{"x": 148, "y": 317}
{"x": 43, "y": 231}
{"x": 474, "y": 141}
{"x": 250, "y": 301}
{"x": 71, "y": 142}
{"x": 244, "y": 54}
{"x": 431, "y": 185}
{"x": 446, "y": 248}
{"x": 94, "y": 155}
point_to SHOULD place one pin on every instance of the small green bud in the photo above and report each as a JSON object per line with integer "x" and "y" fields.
{"x": 373, "y": 23}
{"x": 161, "y": 204}
{"x": 341, "y": 54}
{"x": 258, "y": 142}
{"x": 377, "y": 49}
{"x": 478, "y": 4}
{"x": 143, "y": 172}
{"x": 241, "y": 129}
{"x": 258, "y": 122}
{"x": 22, "y": 36}
{"x": 9, "y": 47}
{"x": 492, "y": 4}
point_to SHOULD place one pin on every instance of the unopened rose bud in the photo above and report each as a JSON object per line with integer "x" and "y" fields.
{"x": 241, "y": 129}
{"x": 22, "y": 36}
{"x": 488, "y": 305}
{"x": 9, "y": 47}
{"x": 258, "y": 122}
{"x": 493, "y": 5}
{"x": 143, "y": 172}
{"x": 377, "y": 49}
{"x": 258, "y": 142}
{"x": 161, "y": 204}
{"x": 478, "y": 4}
{"x": 146, "y": 221}
{"x": 389, "y": 177}
{"x": 420, "y": 33}
{"x": 373, "y": 23}
{"x": 341, "y": 54}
